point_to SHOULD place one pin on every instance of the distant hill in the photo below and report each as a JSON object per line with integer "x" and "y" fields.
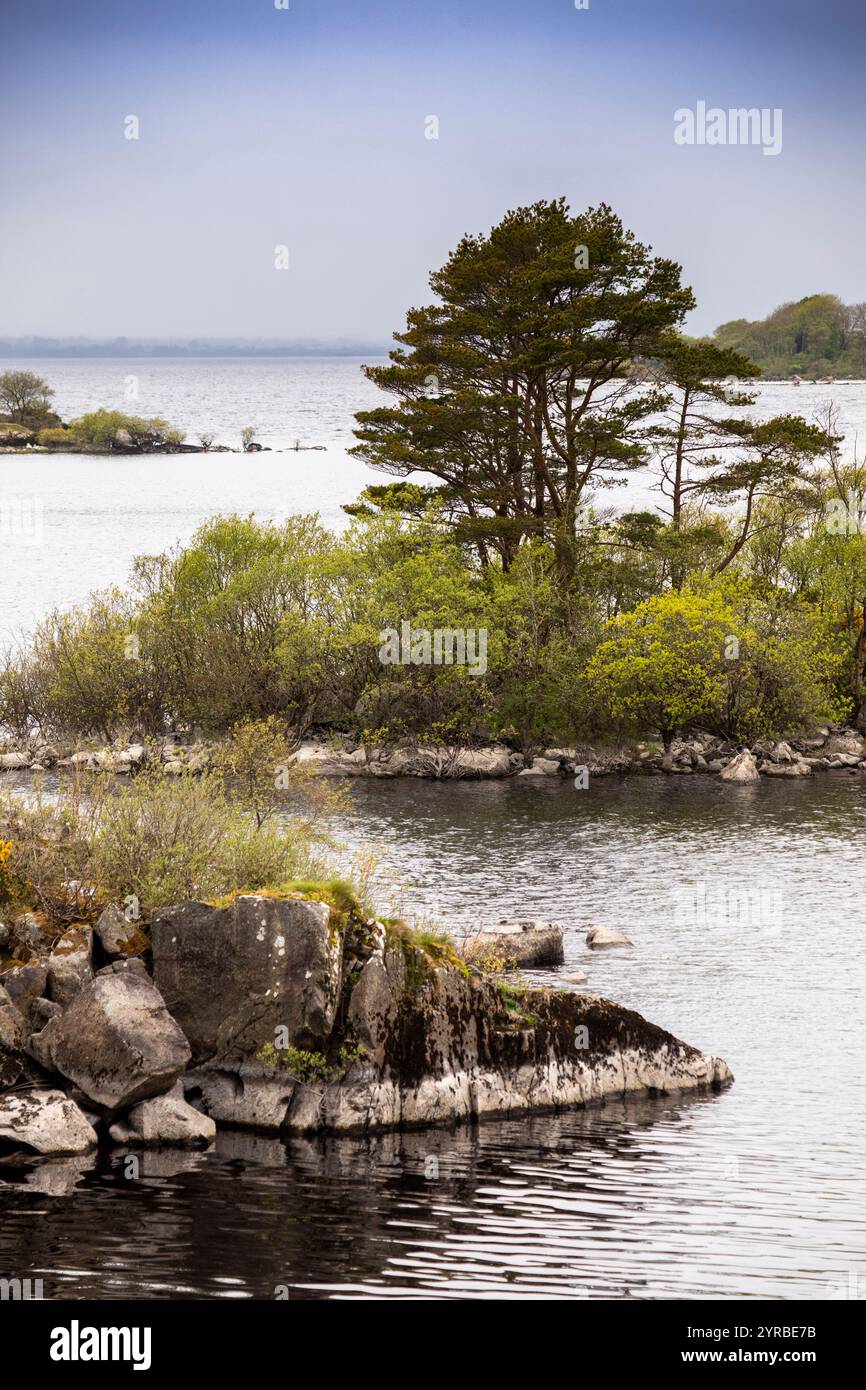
{"x": 817, "y": 336}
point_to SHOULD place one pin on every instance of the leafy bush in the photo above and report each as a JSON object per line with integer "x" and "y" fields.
{"x": 158, "y": 839}
{"x": 56, "y": 437}
{"x": 309, "y": 1067}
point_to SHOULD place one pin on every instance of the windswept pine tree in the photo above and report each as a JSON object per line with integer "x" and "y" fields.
{"x": 517, "y": 388}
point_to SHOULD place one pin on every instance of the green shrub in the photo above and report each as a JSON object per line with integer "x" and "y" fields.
{"x": 56, "y": 437}
{"x": 158, "y": 839}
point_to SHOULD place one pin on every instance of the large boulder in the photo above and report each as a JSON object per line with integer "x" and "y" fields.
{"x": 741, "y": 770}
{"x": 11, "y": 762}
{"x": 70, "y": 965}
{"x": 116, "y": 1041}
{"x": 232, "y": 976}
{"x": 25, "y": 984}
{"x": 166, "y": 1119}
{"x": 46, "y": 1122}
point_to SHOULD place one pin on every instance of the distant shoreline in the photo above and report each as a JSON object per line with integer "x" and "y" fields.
{"x": 9, "y": 353}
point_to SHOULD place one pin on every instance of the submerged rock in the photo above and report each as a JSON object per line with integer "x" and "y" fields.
{"x": 606, "y": 936}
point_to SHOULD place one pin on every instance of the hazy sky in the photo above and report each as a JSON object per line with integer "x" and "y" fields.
{"x": 305, "y": 127}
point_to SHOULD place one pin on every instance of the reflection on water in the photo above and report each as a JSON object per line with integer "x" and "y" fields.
{"x": 603, "y": 1203}
{"x": 758, "y": 1191}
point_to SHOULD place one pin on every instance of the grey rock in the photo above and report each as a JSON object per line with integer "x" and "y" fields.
{"x": 10, "y": 762}
{"x": 460, "y": 1053}
{"x": 118, "y": 1042}
{"x": 46, "y": 1122}
{"x": 134, "y": 966}
{"x": 541, "y": 767}
{"x": 25, "y": 984}
{"x": 70, "y": 965}
{"x": 232, "y": 976}
{"x": 119, "y": 936}
{"x": 846, "y": 742}
{"x": 28, "y": 933}
{"x": 373, "y": 1009}
{"x": 530, "y": 943}
{"x": 741, "y": 770}
{"x": 42, "y": 1011}
{"x": 606, "y": 936}
{"x": 799, "y": 767}
{"x": 12, "y": 1024}
{"x": 165, "y": 1120}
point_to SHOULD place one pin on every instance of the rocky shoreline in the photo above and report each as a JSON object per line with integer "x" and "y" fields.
{"x": 291, "y": 1013}
{"x": 832, "y": 748}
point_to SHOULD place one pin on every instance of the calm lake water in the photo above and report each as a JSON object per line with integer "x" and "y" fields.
{"x": 96, "y": 514}
{"x": 745, "y": 906}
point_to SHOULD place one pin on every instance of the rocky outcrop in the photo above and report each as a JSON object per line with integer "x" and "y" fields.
{"x": 300, "y": 1015}
{"x": 697, "y": 752}
{"x": 456, "y": 1049}
{"x": 232, "y": 976}
{"x": 116, "y": 1041}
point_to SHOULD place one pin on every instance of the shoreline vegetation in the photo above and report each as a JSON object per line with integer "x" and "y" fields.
{"x": 30, "y": 426}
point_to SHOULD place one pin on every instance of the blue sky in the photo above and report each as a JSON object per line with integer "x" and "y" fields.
{"x": 306, "y": 127}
